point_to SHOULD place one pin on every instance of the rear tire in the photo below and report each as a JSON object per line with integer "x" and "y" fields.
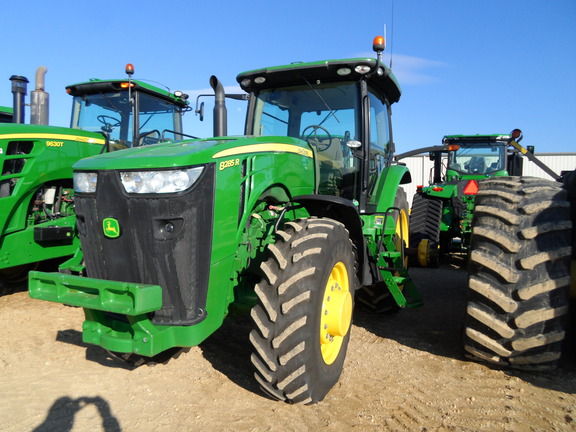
{"x": 304, "y": 313}
{"x": 519, "y": 273}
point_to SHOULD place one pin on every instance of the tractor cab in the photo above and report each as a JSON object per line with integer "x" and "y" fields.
{"x": 129, "y": 113}
{"x": 476, "y": 157}
{"x": 341, "y": 108}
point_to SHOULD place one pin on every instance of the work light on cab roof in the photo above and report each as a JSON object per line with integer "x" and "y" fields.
{"x": 379, "y": 44}
{"x": 130, "y": 69}
{"x": 517, "y": 134}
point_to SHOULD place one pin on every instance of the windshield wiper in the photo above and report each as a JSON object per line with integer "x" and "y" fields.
{"x": 323, "y": 101}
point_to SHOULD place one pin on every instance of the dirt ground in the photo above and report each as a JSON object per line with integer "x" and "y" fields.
{"x": 403, "y": 372}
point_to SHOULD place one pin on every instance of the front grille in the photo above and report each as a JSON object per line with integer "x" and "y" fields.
{"x": 164, "y": 240}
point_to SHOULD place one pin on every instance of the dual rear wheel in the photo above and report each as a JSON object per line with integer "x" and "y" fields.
{"x": 519, "y": 273}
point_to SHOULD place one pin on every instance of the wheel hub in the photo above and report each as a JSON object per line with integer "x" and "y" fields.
{"x": 336, "y": 313}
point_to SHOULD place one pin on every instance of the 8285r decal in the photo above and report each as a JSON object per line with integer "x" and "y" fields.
{"x": 229, "y": 163}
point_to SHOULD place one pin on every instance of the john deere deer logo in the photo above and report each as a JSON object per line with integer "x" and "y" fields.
{"x": 111, "y": 228}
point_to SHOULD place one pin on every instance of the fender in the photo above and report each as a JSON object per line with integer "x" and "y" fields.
{"x": 387, "y": 185}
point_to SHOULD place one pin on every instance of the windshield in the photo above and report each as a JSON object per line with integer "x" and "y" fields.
{"x": 327, "y": 117}
{"x": 111, "y": 113}
{"x": 479, "y": 158}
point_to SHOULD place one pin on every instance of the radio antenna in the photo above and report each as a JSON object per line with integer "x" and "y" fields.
{"x": 391, "y": 34}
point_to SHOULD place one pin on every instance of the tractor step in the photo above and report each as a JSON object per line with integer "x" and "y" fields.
{"x": 391, "y": 254}
{"x": 402, "y": 289}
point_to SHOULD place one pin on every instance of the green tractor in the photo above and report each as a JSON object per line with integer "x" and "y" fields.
{"x": 286, "y": 223}
{"x": 441, "y": 214}
{"x": 37, "y": 221}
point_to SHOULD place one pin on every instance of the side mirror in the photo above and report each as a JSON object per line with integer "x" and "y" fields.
{"x": 200, "y": 111}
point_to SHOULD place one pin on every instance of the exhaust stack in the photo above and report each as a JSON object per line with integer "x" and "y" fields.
{"x": 39, "y": 99}
{"x": 19, "y": 88}
{"x": 220, "y": 114}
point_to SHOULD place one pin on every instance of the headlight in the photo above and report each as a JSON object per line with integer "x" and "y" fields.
{"x": 85, "y": 182}
{"x": 160, "y": 181}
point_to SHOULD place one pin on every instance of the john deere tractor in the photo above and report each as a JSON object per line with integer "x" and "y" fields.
{"x": 441, "y": 214}
{"x": 287, "y": 222}
{"x": 37, "y": 221}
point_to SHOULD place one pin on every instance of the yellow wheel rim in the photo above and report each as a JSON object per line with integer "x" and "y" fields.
{"x": 336, "y": 313}
{"x": 423, "y": 252}
{"x": 402, "y": 230}
{"x": 402, "y": 233}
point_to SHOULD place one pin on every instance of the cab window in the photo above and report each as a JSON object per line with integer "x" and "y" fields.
{"x": 326, "y": 116}
{"x": 379, "y": 138}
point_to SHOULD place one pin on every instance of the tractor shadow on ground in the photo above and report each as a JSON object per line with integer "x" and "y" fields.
{"x": 437, "y": 327}
{"x": 93, "y": 353}
{"x": 228, "y": 350}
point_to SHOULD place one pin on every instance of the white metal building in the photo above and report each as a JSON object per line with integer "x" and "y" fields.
{"x": 421, "y": 168}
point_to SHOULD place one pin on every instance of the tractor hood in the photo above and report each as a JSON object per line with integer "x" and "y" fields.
{"x": 192, "y": 152}
{"x": 15, "y": 131}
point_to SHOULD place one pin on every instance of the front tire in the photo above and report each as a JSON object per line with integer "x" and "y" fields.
{"x": 519, "y": 273}
{"x": 304, "y": 313}
{"x": 15, "y": 279}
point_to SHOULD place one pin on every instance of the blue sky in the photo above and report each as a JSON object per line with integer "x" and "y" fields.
{"x": 465, "y": 67}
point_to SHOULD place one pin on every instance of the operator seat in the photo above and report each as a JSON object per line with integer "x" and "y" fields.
{"x": 477, "y": 165}
{"x": 331, "y": 162}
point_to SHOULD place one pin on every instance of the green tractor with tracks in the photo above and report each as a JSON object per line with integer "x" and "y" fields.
{"x": 37, "y": 221}
{"x": 442, "y": 212}
{"x": 290, "y": 222}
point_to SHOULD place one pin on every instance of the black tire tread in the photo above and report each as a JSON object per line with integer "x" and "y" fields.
{"x": 519, "y": 273}
{"x": 283, "y": 322}
{"x": 425, "y": 218}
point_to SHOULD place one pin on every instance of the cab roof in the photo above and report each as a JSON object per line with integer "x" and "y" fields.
{"x": 450, "y": 139}
{"x": 106, "y": 86}
{"x": 323, "y": 71}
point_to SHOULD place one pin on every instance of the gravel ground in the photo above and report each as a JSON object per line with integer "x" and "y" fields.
{"x": 404, "y": 371}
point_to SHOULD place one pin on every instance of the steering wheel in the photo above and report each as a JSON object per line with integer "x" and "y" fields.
{"x": 108, "y": 126}
{"x": 315, "y": 141}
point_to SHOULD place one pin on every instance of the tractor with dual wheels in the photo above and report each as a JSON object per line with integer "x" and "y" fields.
{"x": 290, "y": 223}
{"x": 37, "y": 219}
